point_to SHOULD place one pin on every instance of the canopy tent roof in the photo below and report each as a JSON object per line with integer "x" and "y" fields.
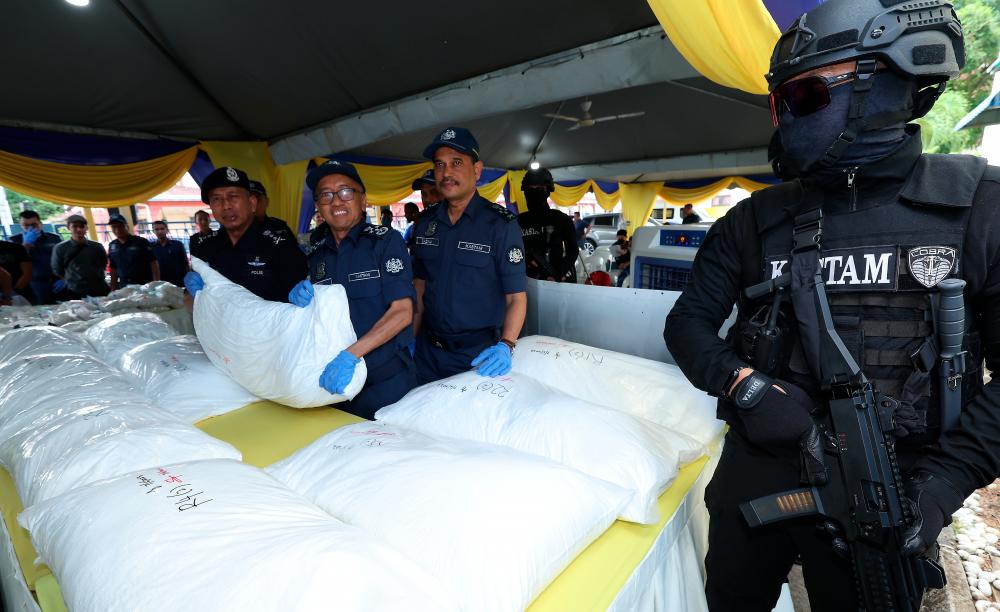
{"x": 379, "y": 79}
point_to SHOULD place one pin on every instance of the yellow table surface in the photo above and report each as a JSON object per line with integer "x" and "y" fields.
{"x": 266, "y": 432}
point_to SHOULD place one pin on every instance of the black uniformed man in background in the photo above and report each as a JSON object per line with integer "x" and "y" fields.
{"x": 274, "y": 224}
{"x": 549, "y": 235}
{"x": 202, "y": 221}
{"x": 895, "y": 223}
{"x": 131, "y": 257}
{"x": 429, "y": 194}
{"x": 266, "y": 262}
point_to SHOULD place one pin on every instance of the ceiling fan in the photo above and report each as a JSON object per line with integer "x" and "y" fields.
{"x": 587, "y": 121}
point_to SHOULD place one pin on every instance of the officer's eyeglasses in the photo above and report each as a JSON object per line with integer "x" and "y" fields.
{"x": 805, "y": 96}
{"x": 346, "y": 194}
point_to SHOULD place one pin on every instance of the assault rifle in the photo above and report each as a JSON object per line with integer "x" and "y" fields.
{"x": 863, "y": 495}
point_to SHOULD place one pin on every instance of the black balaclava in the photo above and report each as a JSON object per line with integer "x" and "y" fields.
{"x": 537, "y": 200}
{"x": 806, "y": 139}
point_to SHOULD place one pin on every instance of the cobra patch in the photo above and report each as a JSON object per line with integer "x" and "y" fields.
{"x": 431, "y": 229}
{"x": 394, "y": 265}
{"x": 515, "y": 255}
{"x": 929, "y": 265}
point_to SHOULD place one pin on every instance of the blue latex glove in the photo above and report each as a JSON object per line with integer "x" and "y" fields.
{"x": 31, "y": 236}
{"x": 338, "y": 373}
{"x": 193, "y": 283}
{"x": 301, "y": 294}
{"x": 494, "y": 361}
{"x": 58, "y": 286}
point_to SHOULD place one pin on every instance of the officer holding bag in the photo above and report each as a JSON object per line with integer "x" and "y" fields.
{"x": 372, "y": 264}
{"x": 888, "y": 225}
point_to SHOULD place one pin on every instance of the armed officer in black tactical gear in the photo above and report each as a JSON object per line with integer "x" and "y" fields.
{"x": 845, "y": 79}
{"x": 549, "y": 235}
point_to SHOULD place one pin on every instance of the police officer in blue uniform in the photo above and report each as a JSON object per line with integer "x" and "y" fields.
{"x": 372, "y": 265}
{"x": 468, "y": 268}
{"x": 265, "y": 262}
{"x": 131, "y": 257}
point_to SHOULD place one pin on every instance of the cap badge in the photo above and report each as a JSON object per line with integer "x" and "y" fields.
{"x": 448, "y": 135}
{"x": 232, "y": 175}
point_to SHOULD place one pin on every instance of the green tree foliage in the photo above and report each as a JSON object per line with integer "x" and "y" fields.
{"x": 45, "y": 209}
{"x": 981, "y": 23}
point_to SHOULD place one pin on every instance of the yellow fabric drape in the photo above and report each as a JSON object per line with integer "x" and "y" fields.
{"x": 750, "y": 185}
{"x": 680, "y": 196}
{"x": 568, "y": 196}
{"x": 283, "y": 183}
{"x": 116, "y": 185}
{"x": 91, "y": 226}
{"x": 516, "y": 177}
{"x": 607, "y": 201}
{"x": 728, "y": 41}
{"x": 492, "y": 190}
{"x": 637, "y": 203}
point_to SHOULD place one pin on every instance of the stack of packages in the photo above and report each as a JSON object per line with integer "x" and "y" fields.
{"x": 79, "y": 315}
{"x": 469, "y": 493}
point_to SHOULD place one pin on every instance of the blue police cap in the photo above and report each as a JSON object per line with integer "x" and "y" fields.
{"x": 333, "y": 166}
{"x": 258, "y": 187}
{"x": 459, "y": 139}
{"x": 426, "y": 179}
{"x": 224, "y": 177}
{"x": 116, "y": 218}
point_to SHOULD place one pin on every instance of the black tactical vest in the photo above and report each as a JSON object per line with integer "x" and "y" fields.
{"x": 881, "y": 266}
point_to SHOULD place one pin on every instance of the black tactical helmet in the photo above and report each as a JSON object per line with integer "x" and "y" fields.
{"x": 541, "y": 176}
{"x": 921, "y": 39}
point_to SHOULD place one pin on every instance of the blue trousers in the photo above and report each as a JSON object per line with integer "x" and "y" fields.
{"x": 435, "y": 363}
{"x": 379, "y": 393}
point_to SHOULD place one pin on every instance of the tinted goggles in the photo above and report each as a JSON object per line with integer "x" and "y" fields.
{"x": 805, "y": 96}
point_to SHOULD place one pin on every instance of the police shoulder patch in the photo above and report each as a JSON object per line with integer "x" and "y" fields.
{"x": 394, "y": 265}
{"x": 515, "y": 255}
{"x": 503, "y": 212}
{"x": 378, "y": 231}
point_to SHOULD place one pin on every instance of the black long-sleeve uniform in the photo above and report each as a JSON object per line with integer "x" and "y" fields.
{"x": 731, "y": 257}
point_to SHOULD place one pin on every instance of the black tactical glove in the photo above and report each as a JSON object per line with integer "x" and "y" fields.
{"x": 933, "y": 500}
{"x": 777, "y": 413}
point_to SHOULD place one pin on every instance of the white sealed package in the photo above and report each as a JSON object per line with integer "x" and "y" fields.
{"x": 38, "y": 390}
{"x": 42, "y": 340}
{"x": 176, "y": 375}
{"x": 519, "y": 412}
{"x": 495, "y": 526}
{"x": 277, "y": 351}
{"x": 113, "y": 336}
{"x": 84, "y": 448}
{"x": 217, "y": 535}
{"x": 654, "y": 391}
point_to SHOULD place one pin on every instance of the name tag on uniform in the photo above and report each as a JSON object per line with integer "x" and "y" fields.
{"x": 360, "y": 276}
{"x": 472, "y": 246}
{"x": 854, "y": 269}
{"x": 427, "y": 241}
{"x": 325, "y": 281}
